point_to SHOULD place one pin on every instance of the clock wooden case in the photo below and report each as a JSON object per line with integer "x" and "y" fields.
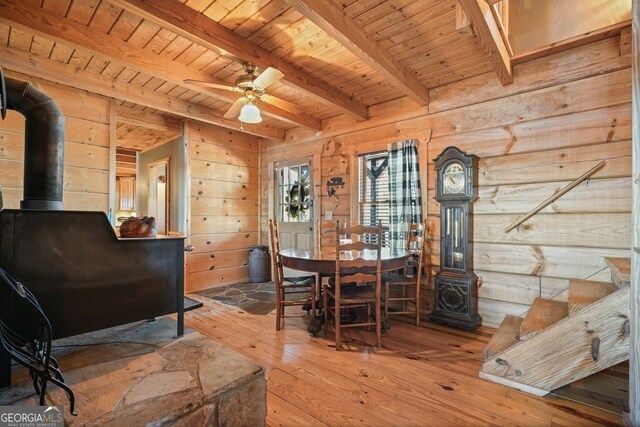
{"x": 456, "y": 284}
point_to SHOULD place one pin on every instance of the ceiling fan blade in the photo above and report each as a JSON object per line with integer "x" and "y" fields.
{"x": 211, "y": 85}
{"x": 268, "y": 76}
{"x": 281, "y": 103}
{"x": 233, "y": 111}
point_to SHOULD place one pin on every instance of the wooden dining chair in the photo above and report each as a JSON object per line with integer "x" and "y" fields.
{"x": 325, "y": 234}
{"x": 298, "y": 287}
{"x": 357, "y": 282}
{"x": 407, "y": 284}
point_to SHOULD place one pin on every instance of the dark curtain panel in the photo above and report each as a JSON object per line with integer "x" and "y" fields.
{"x": 404, "y": 190}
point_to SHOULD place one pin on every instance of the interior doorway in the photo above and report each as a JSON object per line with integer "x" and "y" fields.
{"x": 158, "y": 195}
{"x": 151, "y": 169}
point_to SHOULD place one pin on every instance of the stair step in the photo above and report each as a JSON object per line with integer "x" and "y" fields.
{"x": 505, "y": 336}
{"x": 575, "y": 347}
{"x": 543, "y": 313}
{"x": 620, "y": 270}
{"x": 585, "y": 292}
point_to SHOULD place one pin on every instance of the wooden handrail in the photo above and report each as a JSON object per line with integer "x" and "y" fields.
{"x": 555, "y": 197}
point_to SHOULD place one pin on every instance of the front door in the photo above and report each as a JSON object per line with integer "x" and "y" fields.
{"x": 294, "y": 203}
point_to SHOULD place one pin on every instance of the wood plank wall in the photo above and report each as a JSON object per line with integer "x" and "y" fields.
{"x": 224, "y": 205}
{"x": 633, "y": 417}
{"x": 563, "y": 114}
{"x": 337, "y": 159}
{"x": 86, "y": 157}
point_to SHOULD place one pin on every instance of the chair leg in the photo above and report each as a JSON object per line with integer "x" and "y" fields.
{"x": 378, "y": 318}
{"x": 314, "y": 295}
{"x": 386, "y": 299}
{"x": 279, "y": 308}
{"x": 325, "y": 309}
{"x": 417, "y": 305}
{"x": 337, "y": 322}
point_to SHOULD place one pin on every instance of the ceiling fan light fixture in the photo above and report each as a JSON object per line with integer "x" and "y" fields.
{"x": 250, "y": 113}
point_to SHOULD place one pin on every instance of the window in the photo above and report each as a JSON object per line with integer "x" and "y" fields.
{"x": 294, "y": 197}
{"x": 373, "y": 191}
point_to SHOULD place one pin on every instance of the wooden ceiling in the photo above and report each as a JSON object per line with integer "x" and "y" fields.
{"x": 139, "y": 130}
{"x": 338, "y": 57}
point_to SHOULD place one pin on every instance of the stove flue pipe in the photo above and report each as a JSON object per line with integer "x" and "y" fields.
{"x": 43, "y": 143}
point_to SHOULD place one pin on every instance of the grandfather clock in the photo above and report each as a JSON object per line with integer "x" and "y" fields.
{"x": 456, "y": 284}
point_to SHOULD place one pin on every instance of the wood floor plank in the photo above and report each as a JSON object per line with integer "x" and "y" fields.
{"x": 423, "y": 375}
{"x": 332, "y": 380}
{"x": 282, "y": 413}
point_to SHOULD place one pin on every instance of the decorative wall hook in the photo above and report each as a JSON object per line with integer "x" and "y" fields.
{"x": 332, "y": 184}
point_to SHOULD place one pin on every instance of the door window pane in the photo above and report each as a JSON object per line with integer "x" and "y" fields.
{"x": 294, "y": 193}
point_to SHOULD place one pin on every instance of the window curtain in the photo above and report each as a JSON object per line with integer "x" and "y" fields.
{"x": 404, "y": 191}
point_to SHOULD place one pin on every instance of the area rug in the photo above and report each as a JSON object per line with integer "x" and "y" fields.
{"x": 254, "y": 298}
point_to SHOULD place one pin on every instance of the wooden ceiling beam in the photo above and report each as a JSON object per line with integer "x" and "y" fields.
{"x": 200, "y": 29}
{"x": 332, "y": 20}
{"x": 147, "y": 120}
{"x": 55, "y": 27}
{"x": 37, "y": 66}
{"x": 479, "y": 12}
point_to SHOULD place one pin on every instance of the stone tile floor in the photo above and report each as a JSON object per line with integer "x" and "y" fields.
{"x": 254, "y": 298}
{"x": 140, "y": 373}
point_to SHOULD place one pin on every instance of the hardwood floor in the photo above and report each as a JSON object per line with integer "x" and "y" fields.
{"x": 426, "y": 376}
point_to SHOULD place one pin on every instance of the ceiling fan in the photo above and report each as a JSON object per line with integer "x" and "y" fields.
{"x": 252, "y": 87}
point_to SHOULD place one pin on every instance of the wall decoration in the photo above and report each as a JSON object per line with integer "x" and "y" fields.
{"x": 332, "y": 184}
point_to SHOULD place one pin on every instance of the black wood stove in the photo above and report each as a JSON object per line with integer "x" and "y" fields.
{"x": 85, "y": 277}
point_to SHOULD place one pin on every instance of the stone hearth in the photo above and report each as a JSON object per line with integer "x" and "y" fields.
{"x": 138, "y": 374}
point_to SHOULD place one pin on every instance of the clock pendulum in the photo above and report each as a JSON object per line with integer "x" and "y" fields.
{"x": 456, "y": 285}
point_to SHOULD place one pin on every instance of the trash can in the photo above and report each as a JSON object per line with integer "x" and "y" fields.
{"x": 259, "y": 264}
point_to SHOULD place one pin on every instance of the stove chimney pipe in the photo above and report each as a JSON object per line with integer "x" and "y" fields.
{"x": 43, "y": 143}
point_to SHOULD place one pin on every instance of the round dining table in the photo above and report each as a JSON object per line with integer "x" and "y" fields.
{"x": 324, "y": 261}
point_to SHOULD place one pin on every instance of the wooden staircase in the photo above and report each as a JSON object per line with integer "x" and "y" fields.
{"x": 558, "y": 342}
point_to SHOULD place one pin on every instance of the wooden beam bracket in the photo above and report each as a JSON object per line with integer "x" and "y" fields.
{"x": 463, "y": 24}
{"x": 479, "y": 12}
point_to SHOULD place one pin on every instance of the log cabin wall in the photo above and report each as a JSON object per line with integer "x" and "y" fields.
{"x": 562, "y": 115}
{"x": 86, "y": 149}
{"x": 223, "y": 218}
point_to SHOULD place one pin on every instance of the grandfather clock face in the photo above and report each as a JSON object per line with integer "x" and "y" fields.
{"x": 453, "y": 179}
